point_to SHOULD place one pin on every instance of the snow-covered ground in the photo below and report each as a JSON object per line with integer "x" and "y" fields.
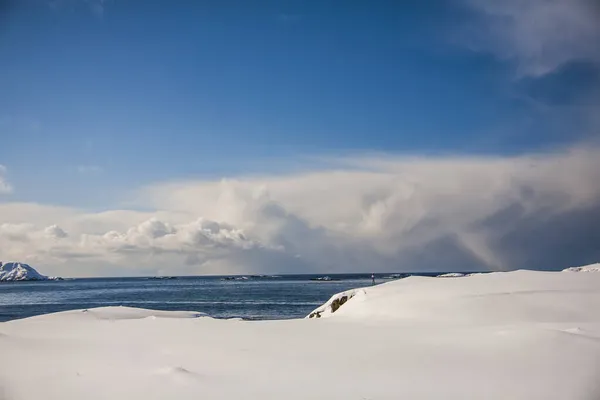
{"x": 15, "y": 271}
{"x": 585, "y": 268}
{"x": 516, "y": 335}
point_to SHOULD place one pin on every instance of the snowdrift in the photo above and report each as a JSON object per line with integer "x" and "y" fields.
{"x": 117, "y": 313}
{"x": 518, "y": 335}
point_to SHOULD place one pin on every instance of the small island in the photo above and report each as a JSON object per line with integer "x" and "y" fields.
{"x": 16, "y": 272}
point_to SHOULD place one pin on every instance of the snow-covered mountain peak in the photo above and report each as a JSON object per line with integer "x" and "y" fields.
{"x": 16, "y": 271}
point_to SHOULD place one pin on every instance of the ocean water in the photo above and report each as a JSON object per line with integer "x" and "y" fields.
{"x": 260, "y": 297}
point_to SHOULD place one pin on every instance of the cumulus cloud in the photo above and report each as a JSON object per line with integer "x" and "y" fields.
{"x": 369, "y": 214}
{"x": 5, "y": 187}
{"x": 540, "y": 35}
{"x": 160, "y": 237}
{"x": 55, "y": 231}
{"x": 407, "y": 213}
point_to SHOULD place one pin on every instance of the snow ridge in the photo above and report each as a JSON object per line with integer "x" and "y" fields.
{"x": 585, "y": 268}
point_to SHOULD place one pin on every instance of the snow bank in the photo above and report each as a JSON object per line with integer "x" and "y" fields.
{"x": 518, "y": 335}
{"x": 15, "y": 271}
{"x": 115, "y": 313}
{"x": 585, "y": 268}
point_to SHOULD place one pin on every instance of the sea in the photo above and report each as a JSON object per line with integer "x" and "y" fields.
{"x": 257, "y": 297}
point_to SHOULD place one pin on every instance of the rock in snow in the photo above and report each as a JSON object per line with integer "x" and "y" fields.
{"x": 334, "y": 303}
{"x": 16, "y": 271}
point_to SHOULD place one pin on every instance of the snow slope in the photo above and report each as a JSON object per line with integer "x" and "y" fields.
{"x": 493, "y": 298}
{"x": 585, "y": 268}
{"x": 517, "y": 335}
{"x": 15, "y": 271}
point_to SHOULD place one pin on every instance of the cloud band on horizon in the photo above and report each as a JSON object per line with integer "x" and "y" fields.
{"x": 367, "y": 214}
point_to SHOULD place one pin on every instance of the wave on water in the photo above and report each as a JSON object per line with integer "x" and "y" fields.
{"x": 250, "y": 277}
{"x": 395, "y": 276}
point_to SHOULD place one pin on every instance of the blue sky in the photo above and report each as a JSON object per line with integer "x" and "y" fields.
{"x": 150, "y": 91}
{"x": 101, "y": 98}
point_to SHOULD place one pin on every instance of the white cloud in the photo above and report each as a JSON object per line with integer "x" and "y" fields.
{"x": 56, "y": 232}
{"x": 16, "y": 232}
{"x": 372, "y": 213}
{"x": 5, "y": 187}
{"x": 540, "y": 35}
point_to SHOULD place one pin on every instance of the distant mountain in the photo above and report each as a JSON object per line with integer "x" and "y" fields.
{"x": 16, "y": 271}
